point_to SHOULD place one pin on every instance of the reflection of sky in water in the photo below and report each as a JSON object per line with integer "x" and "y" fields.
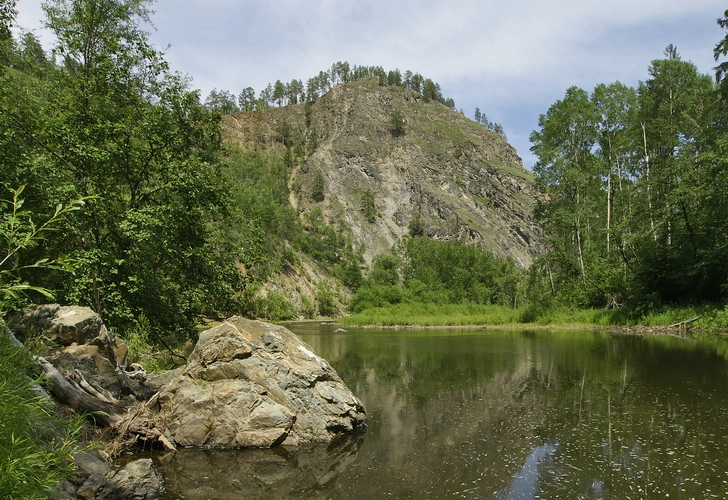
{"x": 499, "y": 415}
{"x": 525, "y": 484}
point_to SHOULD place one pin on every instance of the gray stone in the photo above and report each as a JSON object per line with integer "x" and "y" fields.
{"x": 89, "y": 463}
{"x": 70, "y": 325}
{"x": 473, "y": 189}
{"x": 96, "y": 368}
{"x": 85, "y": 345}
{"x": 137, "y": 480}
{"x": 63, "y": 491}
{"x": 254, "y": 384}
{"x": 88, "y": 490}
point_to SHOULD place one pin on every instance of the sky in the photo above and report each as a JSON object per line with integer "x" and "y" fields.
{"x": 510, "y": 58}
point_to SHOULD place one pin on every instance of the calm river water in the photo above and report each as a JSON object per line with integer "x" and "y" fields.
{"x": 497, "y": 415}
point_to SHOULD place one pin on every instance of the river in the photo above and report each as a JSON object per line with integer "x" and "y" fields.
{"x": 496, "y": 415}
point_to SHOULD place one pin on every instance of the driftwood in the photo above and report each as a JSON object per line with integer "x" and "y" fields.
{"x": 100, "y": 410}
{"x": 96, "y": 391}
{"x": 684, "y": 324}
{"x": 131, "y": 422}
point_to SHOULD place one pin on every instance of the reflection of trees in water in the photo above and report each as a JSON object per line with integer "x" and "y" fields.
{"x": 273, "y": 473}
{"x": 448, "y": 422}
{"x": 634, "y": 421}
{"x": 460, "y": 414}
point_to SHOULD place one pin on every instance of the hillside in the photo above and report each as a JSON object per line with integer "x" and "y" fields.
{"x": 465, "y": 182}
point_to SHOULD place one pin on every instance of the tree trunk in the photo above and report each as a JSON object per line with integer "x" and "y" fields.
{"x": 647, "y": 176}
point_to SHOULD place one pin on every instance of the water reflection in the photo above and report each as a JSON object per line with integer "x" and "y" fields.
{"x": 471, "y": 414}
{"x": 525, "y": 486}
{"x": 275, "y": 473}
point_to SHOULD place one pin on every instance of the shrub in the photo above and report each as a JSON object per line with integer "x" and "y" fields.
{"x": 325, "y": 299}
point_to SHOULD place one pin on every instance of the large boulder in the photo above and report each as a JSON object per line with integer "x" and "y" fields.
{"x": 66, "y": 324}
{"x": 253, "y": 384}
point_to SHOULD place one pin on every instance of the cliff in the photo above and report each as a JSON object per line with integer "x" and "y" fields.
{"x": 462, "y": 181}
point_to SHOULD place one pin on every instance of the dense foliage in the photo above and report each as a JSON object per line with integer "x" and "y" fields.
{"x": 268, "y": 236}
{"x": 637, "y": 177}
{"x": 35, "y": 448}
{"x": 176, "y": 225}
{"x": 422, "y": 270}
{"x": 108, "y": 120}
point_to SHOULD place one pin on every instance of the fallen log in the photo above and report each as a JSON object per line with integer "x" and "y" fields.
{"x": 684, "y": 323}
{"x": 101, "y": 411}
{"x": 129, "y": 421}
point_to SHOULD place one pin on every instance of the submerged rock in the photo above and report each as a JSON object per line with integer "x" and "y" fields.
{"x": 137, "y": 480}
{"x": 254, "y": 384}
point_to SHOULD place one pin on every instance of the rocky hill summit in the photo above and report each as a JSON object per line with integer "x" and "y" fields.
{"x": 386, "y": 162}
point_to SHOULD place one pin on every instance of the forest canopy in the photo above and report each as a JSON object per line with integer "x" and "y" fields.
{"x": 637, "y": 212}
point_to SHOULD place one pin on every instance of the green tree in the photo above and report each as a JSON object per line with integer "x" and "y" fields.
{"x": 397, "y": 123}
{"x": 266, "y": 97}
{"x": 317, "y": 191}
{"x": 295, "y": 91}
{"x": 113, "y": 122}
{"x": 567, "y": 166}
{"x": 222, "y": 101}
{"x": 415, "y": 227}
{"x": 394, "y": 77}
{"x": 615, "y": 104}
{"x": 676, "y": 109}
{"x": 8, "y": 12}
{"x": 36, "y": 450}
{"x": 368, "y": 205}
{"x": 631, "y": 216}
{"x": 246, "y": 99}
{"x": 279, "y": 93}
{"x": 721, "y": 50}
{"x": 326, "y": 299}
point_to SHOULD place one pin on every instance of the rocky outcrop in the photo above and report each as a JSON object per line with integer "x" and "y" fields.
{"x": 254, "y": 384}
{"x": 462, "y": 181}
{"x": 85, "y": 351}
{"x": 247, "y": 384}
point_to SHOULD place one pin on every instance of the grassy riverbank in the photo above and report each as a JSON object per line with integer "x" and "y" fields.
{"x": 420, "y": 314}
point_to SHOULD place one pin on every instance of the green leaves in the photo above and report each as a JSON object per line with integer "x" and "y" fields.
{"x": 627, "y": 220}
{"x": 429, "y": 271}
{"x": 112, "y": 123}
{"x": 18, "y": 232}
{"x": 397, "y": 123}
{"x": 35, "y": 450}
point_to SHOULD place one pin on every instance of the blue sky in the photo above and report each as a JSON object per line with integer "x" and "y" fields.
{"x": 512, "y": 59}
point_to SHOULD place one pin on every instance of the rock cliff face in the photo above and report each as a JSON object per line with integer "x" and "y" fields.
{"x": 463, "y": 181}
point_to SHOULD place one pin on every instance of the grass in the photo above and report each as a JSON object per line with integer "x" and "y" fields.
{"x": 419, "y": 314}
{"x": 36, "y": 449}
{"x": 434, "y": 315}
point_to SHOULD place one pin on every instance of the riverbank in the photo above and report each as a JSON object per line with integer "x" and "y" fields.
{"x": 662, "y": 321}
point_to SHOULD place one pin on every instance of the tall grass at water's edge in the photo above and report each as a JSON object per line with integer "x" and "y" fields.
{"x": 419, "y": 314}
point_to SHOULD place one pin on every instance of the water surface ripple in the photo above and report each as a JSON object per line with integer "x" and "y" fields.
{"x": 497, "y": 415}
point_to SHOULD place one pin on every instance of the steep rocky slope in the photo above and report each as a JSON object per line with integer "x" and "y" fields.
{"x": 461, "y": 180}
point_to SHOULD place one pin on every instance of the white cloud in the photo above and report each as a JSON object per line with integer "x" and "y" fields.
{"x": 510, "y": 58}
